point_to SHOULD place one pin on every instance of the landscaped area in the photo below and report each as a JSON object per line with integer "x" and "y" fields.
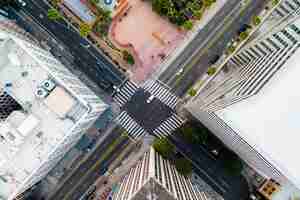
{"x": 149, "y": 37}
{"x": 138, "y": 35}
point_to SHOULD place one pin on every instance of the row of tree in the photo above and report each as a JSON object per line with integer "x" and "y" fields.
{"x": 166, "y": 150}
{"x": 181, "y": 12}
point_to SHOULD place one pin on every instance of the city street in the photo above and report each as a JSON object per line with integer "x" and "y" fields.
{"x": 92, "y": 168}
{"x": 210, "y": 42}
{"x": 90, "y": 61}
{"x": 212, "y": 172}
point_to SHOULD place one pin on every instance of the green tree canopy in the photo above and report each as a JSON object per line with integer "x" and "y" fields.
{"x": 208, "y": 3}
{"x": 183, "y": 166}
{"x": 194, "y": 135}
{"x": 243, "y": 35}
{"x": 128, "y": 57}
{"x": 188, "y": 25}
{"x": 84, "y": 29}
{"x": 163, "y": 147}
{"x": 192, "y": 92}
{"x": 256, "y": 20}
{"x": 211, "y": 71}
{"x": 232, "y": 163}
{"x": 53, "y": 14}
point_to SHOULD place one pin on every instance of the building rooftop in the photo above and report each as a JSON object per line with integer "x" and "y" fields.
{"x": 81, "y": 10}
{"x": 268, "y": 120}
{"x": 28, "y": 134}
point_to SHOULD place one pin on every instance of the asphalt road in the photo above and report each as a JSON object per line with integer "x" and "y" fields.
{"x": 212, "y": 171}
{"x": 97, "y": 66}
{"x": 209, "y": 42}
{"x": 90, "y": 170}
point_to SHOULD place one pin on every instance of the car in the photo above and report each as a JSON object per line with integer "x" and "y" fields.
{"x": 150, "y": 99}
{"x": 179, "y": 72}
{"x": 214, "y": 59}
{"x": 22, "y": 3}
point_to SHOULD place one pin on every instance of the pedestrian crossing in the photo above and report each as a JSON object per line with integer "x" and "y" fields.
{"x": 168, "y": 126}
{"x": 134, "y": 130}
{"x": 161, "y": 92}
{"x": 125, "y": 92}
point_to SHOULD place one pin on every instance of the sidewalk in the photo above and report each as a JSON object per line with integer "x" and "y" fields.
{"x": 190, "y": 36}
{"x": 204, "y": 80}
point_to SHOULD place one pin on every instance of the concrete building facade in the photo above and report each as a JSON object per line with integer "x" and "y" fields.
{"x": 252, "y": 106}
{"x": 154, "y": 177}
{"x": 44, "y": 111}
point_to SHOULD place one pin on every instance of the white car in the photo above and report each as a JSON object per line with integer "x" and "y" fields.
{"x": 23, "y": 3}
{"x": 150, "y": 99}
{"x": 179, "y": 72}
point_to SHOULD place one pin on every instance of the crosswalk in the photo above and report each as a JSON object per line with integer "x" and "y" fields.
{"x": 168, "y": 126}
{"x": 134, "y": 130}
{"x": 125, "y": 92}
{"x": 161, "y": 92}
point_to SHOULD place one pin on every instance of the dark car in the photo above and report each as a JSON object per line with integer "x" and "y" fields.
{"x": 214, "y": 59}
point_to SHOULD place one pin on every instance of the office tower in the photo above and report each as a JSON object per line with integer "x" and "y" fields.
{"x": 252, "y": 105}
{"x": 44, "y": 110}
{"x": 154, "y": 177}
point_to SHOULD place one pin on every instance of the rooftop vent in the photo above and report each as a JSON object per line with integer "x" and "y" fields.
{"x": 49, "y": 85}
{"x": 41, "y": 92}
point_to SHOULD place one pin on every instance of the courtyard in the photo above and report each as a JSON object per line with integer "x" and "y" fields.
{"x": 148, "y": 36}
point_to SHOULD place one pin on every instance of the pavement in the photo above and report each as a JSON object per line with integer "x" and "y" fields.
{"x": 92, "y": 168}
{"x": 148, "y": 115}
{"x": 96, "y": 65}
{"x": 210, "y": 41}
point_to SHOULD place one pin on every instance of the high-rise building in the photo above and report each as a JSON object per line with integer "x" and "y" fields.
{"x": 252, "y": 105}
{"x": 154, "y": 177}
{"x": 44, "y": 110}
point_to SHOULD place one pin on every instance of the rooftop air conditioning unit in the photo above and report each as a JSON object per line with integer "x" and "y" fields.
{"x": 41, "y": 92}
{"x": 49, "y": 85}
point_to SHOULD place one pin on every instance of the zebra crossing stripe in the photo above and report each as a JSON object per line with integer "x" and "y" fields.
{"x": 149, "y": 84}
{"x": 133, "y": 128}
{"x": 126, "y": 91}
{"x": 170, "y": 123}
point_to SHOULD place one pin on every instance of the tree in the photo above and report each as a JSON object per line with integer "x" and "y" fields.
{"x": 211, "y": 71}
{"x": 194, "y": 135}
{"x": 243, "y": 35}
{"x": 94, "y": 1}
{"x": 256, "y": 20}
{"x": 84, "y": 29}
{"x": 231, "y": 49}
{"x": 197, "y": 14}
{"x": 183, "y": 166}
{"x": 128, "y": 57}
{"x": 275, "y": 2}
{"x": 232, "y": 163}
{"x": 163, "y": 147}
{"x": 53, "y": 14}
{"x": 188, "y": 25}
{"x": 55, "y": 3}
{"x": 12, "y": 3}
{"x": 192, "y": 92}
{"x": 208, "y": 3}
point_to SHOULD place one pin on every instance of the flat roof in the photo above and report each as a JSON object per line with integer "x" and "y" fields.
{"x": 269, "y": 120}
{"x": 81, "y": 10}
{"x": 30, "y": 134}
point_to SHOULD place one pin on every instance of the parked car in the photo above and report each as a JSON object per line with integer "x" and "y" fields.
{"x": 214, "y": 59}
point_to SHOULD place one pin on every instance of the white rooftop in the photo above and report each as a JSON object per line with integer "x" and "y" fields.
{"x": 269, "y": 121}
{"x": 30, "y": 134}
{"x": 81, "y": 10}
